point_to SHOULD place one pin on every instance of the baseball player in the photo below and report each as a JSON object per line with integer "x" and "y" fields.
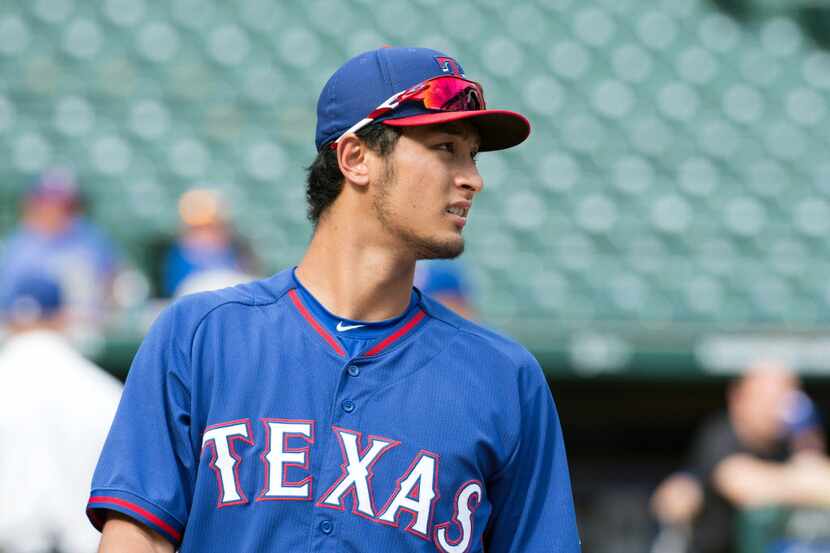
{"x": 333, "y": 407}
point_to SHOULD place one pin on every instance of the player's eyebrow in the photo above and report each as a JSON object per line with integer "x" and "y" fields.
{"x": 457, "y": 130}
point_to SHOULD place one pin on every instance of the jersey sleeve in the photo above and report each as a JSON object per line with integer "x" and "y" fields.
{"x": 147, "y": 467}
{"x": 531, "y": 496}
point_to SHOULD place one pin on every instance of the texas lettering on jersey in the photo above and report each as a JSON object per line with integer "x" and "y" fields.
{"x": 416, "y": 491}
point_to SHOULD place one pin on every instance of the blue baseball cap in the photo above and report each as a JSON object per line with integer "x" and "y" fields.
{"x": 367, "y": 80}
{"x": 32, "y": 296}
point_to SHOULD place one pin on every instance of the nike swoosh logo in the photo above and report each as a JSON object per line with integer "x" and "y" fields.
{"x": 343, "y": 328}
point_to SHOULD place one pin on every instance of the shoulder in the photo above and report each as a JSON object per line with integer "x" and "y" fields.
{"x": 497, "y": 351}
{"x": 189, "y": 312}
{"x": 716, "y": 437}
{"x": 193, "y": 321}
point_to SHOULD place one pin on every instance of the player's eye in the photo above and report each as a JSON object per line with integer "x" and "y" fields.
{"x": 474, "y": 156}
{"x": 447, "y": 146}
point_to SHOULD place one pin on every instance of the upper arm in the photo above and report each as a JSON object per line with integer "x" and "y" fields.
{"x": 124, "y": 535}
{"x": 531, "y": 496}
{"x": 147, "y": 466}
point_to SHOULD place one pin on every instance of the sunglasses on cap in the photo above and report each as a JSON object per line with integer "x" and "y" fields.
{"x": 443, "y": 93}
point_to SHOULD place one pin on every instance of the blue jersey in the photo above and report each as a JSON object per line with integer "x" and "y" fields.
{"x": 247, "y": 425}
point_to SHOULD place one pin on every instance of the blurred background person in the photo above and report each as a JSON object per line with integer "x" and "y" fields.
{"x": 55, "y": 237}
{"x": 207, "y": 254}
{"x": 447, "y": 281}
{"x": 55, "y": 411}
{"x": 761, "y": 451}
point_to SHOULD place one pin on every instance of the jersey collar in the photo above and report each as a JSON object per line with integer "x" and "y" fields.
{"x": 380, "y": 335}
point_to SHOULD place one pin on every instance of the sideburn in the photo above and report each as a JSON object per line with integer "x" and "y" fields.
{"x": 421, "y": 247}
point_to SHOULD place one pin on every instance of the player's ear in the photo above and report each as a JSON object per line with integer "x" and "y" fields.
{"x": 352, "y": 157}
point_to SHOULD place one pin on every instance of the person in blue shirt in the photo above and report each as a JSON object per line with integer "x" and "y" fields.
{"x": 447, "y": 281}
{"x": 206, "y": 250}
{"x": 55, "y": 237}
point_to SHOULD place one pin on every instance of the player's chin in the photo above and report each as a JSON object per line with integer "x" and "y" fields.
{"x": 448, "y": 246}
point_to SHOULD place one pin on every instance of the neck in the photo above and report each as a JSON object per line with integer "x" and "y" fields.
{"x": 353, "y": 276}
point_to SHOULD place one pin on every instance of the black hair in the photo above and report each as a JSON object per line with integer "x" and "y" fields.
{"x": 325, "y": 180}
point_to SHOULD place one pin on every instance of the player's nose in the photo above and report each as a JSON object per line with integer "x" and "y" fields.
{"x": 469, "y": 178}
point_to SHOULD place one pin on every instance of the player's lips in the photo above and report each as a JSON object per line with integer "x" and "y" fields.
{"x": 458, "y": 212}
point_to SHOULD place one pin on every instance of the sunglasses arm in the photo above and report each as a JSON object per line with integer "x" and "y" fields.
{"x": 391, "y": 103}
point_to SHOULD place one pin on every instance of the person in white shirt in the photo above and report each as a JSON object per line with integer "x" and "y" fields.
{"x": 55, "y": 412}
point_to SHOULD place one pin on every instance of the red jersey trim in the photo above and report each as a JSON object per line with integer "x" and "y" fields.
{"x": 314, "y": 324}
{"x": 140, "y": 511}
{"x": 395, "y": 336}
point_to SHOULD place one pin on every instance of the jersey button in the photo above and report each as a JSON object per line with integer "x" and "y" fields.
{"x": 348, "y": 405}
{"x": 353, "y": 370}
{"x": 326, "y": 527}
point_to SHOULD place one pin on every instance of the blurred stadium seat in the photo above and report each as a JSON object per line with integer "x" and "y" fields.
{"x": 676, "y": 171}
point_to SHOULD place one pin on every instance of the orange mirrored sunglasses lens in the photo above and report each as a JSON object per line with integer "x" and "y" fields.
{"x": 452, "y": 94}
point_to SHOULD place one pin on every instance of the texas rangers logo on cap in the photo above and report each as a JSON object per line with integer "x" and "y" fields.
{"x": 449, "y": 65}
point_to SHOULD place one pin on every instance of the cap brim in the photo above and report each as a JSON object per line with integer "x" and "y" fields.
{"x": 498, "y": 129}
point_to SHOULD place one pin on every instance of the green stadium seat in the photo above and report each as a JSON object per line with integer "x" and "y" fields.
{"x": 51, "y": 11}
{"x": 125, "y": 13}
{"x": 527, "y": 24}
{"x": 806, "y": 107}
{"x": 719, "y": 33}
{"x": 613, "y": 99}
{"x": 632, "y": 63}
{"x": 189, "y": 158}
{"x": 781, "y": 37}
{"x": 569, "y": 59}
{"x": 74, "y": 116}
{"x": 8, "y": 115}
{"x": 115, "y": 77}
{"x": 696, "y": 65}
{"x": 194, "y": 15}
{"x": 157, "y": 41}
{"x": 655, "y": 29}
{"x": 677, "y": 154}
{"x": 784, "y": 140}
{"x": 83, "y": 39}
{"x": 593, "y": 26}
{"x": 262, "y": 16}
{"x": 228, "y": 44}
{"x": 15, "y": 35}
{"x": 148, "y": 118}
{"x": 31, "y": 152}
{"x": 816, "y": 69}
{"x": 110, "y": 155}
